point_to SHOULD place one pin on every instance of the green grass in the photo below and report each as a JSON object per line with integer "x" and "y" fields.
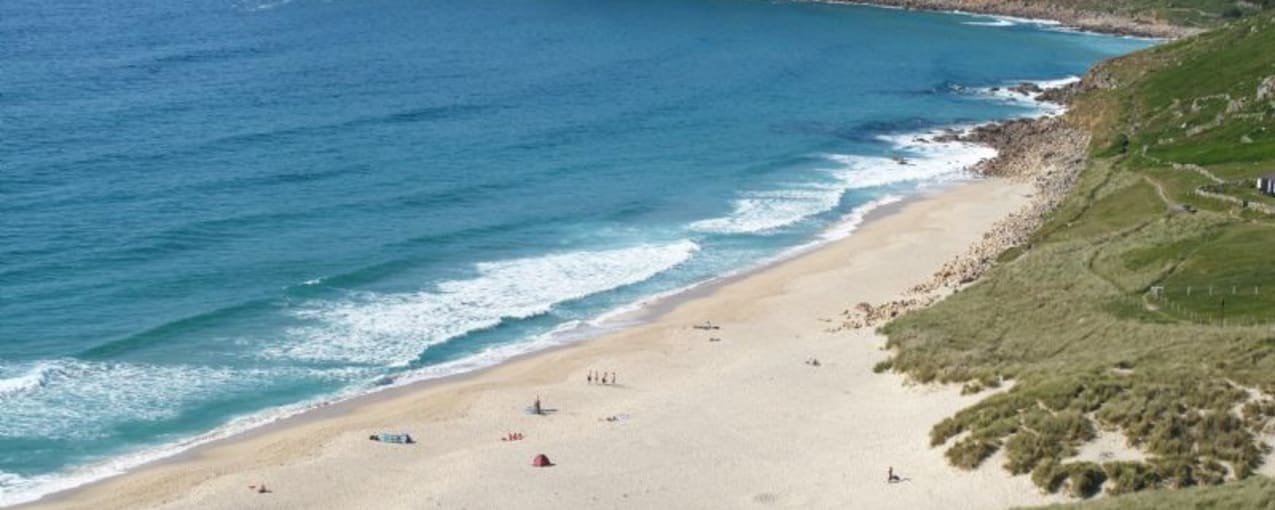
{"x": 1170, "y": 95}
{"x": 1070, "y": 321}
{"x": 1226, "y": 275}
{"x": 1253, "y": 494}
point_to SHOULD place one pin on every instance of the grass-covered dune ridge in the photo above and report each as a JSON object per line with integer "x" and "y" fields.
{"x": 1255, "y": 493}
{"x": 1145, "y": 305}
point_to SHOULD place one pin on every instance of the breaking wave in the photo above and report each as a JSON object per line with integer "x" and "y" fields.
{"x": 395, "y": 329}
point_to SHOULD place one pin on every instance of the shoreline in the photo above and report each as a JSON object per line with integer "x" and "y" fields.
{"x": 637, "y": 314}
{"x": 152, "y": 485}
{"x": 634, "y": 315}
{"x": 1076, "y": 19}
{"x": 650, "y": 309}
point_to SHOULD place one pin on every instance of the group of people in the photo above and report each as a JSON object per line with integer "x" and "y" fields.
{"x": 599, "y": 377}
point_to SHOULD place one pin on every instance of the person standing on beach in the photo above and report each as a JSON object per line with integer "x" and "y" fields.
{"x": 612, "y": 377}
{"x": 589, "y": 379}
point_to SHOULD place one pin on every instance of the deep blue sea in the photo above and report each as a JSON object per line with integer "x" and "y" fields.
{"x": 213, "y": 214}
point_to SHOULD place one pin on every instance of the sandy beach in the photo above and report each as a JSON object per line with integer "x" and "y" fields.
{"x": 735, "y": 423}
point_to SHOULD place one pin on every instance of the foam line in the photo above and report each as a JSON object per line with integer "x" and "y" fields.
{"x": 394, "y": 329}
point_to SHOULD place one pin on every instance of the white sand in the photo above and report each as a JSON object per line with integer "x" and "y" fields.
{"x": 1108, "y": 446}
{"x": 731, "y": 424}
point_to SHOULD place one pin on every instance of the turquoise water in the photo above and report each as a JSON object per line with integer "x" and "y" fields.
{"x": 218, "y": 213}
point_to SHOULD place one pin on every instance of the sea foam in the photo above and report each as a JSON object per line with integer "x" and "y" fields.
{"x": 394, "y": 329}
{"x": 991, "y": 20}
{"x": 51, "y": 399}
{"x": 1004, "y": 94}
{"x": 921, "y": 159}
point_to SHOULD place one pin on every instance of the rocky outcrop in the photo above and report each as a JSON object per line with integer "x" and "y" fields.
{"x": 1046, "y": 152}
{"x": 1266, "y": 90}
{"x": 1084, "y": 19}
{"x": 1027, "y": 88}
{"x": 1064, "y": 94}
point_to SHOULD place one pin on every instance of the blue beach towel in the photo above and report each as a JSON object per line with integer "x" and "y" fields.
{"x": 403, "y": 438}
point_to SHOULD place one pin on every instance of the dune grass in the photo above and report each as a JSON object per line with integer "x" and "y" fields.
{"x": 1253, "y": 494}
{"x": 1093, "y": 321}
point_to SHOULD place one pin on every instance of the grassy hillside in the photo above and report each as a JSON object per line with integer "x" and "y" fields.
{"x": 1146, "y": 304}
{"x": 1191, "y": 13}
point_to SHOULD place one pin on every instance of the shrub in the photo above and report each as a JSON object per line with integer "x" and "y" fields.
{"x": 1049, "y": 475}
{"x": 968, "y": 453}
{"x": 1128, "y": 477}
{"x": 1175, "y": 472}
{"x": 1084, "y": 479}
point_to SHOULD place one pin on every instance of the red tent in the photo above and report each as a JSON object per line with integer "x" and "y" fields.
{"x": 541, "y": 461}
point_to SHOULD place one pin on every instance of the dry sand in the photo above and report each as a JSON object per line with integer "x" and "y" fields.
{"x": 739, "y": 423}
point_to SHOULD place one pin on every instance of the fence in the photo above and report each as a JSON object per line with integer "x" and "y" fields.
{"x": 1163, "y": 298}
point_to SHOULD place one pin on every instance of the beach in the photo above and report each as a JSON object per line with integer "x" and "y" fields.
{"x": 454, "y": 192}
{"x": 745, "y": 420}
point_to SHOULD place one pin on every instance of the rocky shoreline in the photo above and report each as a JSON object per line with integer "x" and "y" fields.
{"x": 1082, "y": 19}
{"x": 1046, "y": 152}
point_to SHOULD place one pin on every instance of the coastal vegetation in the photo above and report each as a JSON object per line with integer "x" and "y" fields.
{"x": 1156, "y": 18}
{"x": 1191, "y": 13}
{"x": 1144, "y": 306}
{"x": 1254, "y": 492}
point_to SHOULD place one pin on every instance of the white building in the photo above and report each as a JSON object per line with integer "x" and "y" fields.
{"x": 1266, "y": 184}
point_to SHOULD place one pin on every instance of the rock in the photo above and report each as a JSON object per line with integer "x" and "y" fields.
{"x": 1046, "y": 152}
{"x": 1091, "y": 19}
{"x": 1061, "y": 95}
{"x": 1266, "y": 89}
{"x": 1027, "y": 88}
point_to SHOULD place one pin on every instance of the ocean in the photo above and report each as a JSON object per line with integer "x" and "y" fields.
{"x": 216, "y": 214}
